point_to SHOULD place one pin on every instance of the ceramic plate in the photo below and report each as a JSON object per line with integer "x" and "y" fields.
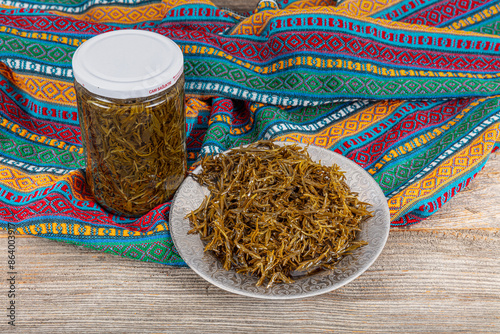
{"x": 374, "y": 230}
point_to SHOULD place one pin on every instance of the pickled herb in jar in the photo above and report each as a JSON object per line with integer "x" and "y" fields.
{"x": 130, "y": 97}
{"x": 136, "y": 151}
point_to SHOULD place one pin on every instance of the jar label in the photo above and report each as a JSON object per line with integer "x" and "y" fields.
{"x": 168, "y": 84}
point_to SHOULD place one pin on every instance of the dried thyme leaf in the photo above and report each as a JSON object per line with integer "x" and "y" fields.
{"x": 273, "y": 212}
{"x": 135, "y": 149}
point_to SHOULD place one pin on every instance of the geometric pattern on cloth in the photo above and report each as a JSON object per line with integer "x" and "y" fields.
{"x": 408, "y": 92}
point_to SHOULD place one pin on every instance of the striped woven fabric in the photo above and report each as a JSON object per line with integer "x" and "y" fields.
{"x": 408, "y": 89}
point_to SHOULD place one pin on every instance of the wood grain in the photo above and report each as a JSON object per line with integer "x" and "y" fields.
{"x": 424, "y": 281}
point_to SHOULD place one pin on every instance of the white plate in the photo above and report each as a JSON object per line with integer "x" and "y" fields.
{"x": 374, "y": 230}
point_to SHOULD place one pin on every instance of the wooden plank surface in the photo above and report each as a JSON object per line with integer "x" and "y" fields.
{"x": 424, "y": 281}
{"x": 440, "y": 276}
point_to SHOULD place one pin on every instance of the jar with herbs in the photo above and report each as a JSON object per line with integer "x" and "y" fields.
{"x": 130, "y": 96}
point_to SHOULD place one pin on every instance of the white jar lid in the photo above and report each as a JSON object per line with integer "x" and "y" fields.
{"x": 128, "y": 64}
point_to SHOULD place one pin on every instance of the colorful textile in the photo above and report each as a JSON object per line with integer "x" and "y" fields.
{"x": 410, "y": 90}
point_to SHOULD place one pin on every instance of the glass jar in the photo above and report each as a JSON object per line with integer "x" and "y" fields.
{"x": 132, "y": 119}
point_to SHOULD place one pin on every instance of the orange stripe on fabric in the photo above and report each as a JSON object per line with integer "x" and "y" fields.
{"x": 42, "y": 36}
{"x": 255, "y": 24}
{"x": 20, "y": 181}
{"x": 129, "y": 15}
{"x": 350, "y": 126}
{"x": 57, "y": 228}
{"x": 451, "y": 169}
{"x": 34, "y": 137}
{"x": 476, "y": 17}
{"x": 120, "y": 14}
{"x": 49, "y": 90}
{"x": 8, "y": 7}
{"x": 194, "y": 106}
{"x": 310, "y": 3}
{"x": 422, "y": 139}
{"x": 364, "y": 7}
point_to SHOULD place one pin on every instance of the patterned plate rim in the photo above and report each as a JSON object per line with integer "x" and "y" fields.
{"x": 206, "y": 266}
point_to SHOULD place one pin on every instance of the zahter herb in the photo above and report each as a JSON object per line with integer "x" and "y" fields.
{"x": 275, "y": 213}
{"x": 135, "y": 148}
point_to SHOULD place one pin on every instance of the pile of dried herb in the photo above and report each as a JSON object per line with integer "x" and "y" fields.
{"x": 135, "y": 148}
{"x": 273, "y": 212}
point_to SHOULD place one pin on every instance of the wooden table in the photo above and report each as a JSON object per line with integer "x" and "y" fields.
{"x": 442, "y": 275}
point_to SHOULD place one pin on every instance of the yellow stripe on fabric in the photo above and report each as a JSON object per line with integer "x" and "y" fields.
{"x": 350, "y": 126}
{"x": 255, "y": 24}
{"x": 365, "y": 7}
{"x": 476, "y": 18}
{"x": 120, "y": 14}
{"x": 194, "y": 106}
{"x": 310, "y": 3}
{"x": 85, "y": 230}
{"x": 421, "y": 139}
{"x": 44, "y": 36}
{"x": 20, "y": 181}
{"x": 44, "y": 89}
{"x": 316, "y": 62}
{"x": 124, "y": 14}
{"x": 8, "y": 7}
{"x": 232, "y": 130}
{"x": 370, "y": 68}
{"x": 20, "y": 131}
{"x": 451, "y": 169}
{"x": 235, "y": 16}
{"x": 204, "y": 50}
